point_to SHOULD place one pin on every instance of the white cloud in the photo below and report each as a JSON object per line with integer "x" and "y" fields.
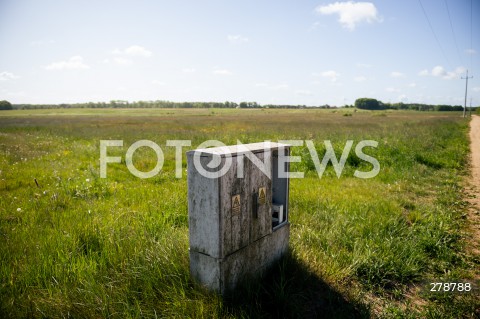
{"x": 128, "y": 55}
{"x": 7, "y": 76}
{"x": 133, "y": 51}
{"x": 412, "y": 85}
{"x": 459, "y": 70}
{"x": 476, "y": 89}
{"x": 360, "y": 78}
{"x": 351, "y": 13}
{"x": 237, "y": 39}
{"x": 395, "y": 74}
{"x": 440, "y": 72}
{"x": 330, "y": 74}
{"x": 136, "y": 50}
{"x": 222, "y": 72}
{"x": 470, "y": 51}
{"x": 423, "y": 72}
{"x": 74, "y": 63}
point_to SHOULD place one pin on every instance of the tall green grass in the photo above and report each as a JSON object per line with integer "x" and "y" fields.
{"x": 80, "y": 246}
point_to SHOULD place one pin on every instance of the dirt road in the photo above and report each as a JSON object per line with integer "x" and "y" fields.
{"x": 474, "y": 187}
{"x": 475, "y": 148}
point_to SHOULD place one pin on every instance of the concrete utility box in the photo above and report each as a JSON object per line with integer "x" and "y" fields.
{"x": 238, "y": 214}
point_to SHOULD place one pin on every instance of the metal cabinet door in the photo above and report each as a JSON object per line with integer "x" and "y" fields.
{"x": 234, "y": 210}
{"x": 260, "y": 197}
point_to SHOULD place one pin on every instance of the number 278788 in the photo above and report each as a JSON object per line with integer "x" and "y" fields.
{"x": 450, "y": 286}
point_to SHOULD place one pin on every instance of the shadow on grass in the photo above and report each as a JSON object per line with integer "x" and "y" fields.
{"x": 289, "y": 290}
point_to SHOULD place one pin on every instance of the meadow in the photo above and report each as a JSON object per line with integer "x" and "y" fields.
{"x": 74, "y": 245}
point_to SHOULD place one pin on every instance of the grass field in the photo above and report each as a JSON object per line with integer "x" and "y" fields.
{"x": 80, "y": 246}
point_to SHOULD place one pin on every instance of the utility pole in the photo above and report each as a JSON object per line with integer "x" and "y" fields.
{"x": 466, "y": 88}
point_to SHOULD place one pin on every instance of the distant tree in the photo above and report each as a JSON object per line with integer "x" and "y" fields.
{"x": 383, "y": 106}
{"x": 5, "y": 105}
{"x": 368, "y": 104}
{"x": 231, "y": 105}
{"x": 448, "y": 108}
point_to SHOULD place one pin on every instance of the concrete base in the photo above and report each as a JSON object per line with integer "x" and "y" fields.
{"x": 222, "y": 275}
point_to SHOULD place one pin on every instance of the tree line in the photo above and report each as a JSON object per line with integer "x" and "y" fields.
{"x": 361, "y": 103}
{"x": 5, "y": 105}
{"x": 161, "y": 104}
{"x": 373, "y": 104}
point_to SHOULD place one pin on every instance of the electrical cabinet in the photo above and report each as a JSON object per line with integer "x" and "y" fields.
{"x": 238, "y": 212}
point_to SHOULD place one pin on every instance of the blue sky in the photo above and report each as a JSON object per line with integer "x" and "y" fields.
{"x": 282, "y": 52}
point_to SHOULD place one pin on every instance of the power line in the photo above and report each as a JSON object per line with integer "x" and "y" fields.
{"x": 434, "y": 35}
{"x": 471, "y": 32}
{"x": 453, "y": 33}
